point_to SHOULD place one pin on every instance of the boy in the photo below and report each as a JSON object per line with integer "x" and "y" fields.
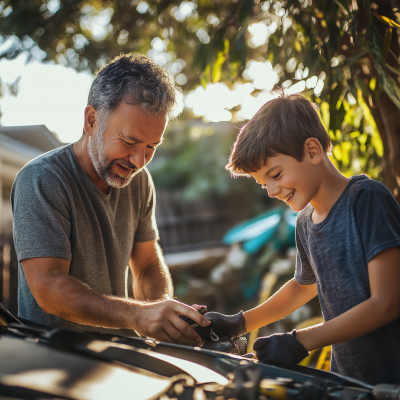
{"x": 347, "y": 236}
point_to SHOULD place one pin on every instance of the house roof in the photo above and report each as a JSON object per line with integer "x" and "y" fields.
{"x": 36, "y": 136}
{"x": 17, "y": 150}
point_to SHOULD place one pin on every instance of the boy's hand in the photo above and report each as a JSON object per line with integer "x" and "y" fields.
{"x": 281, "y": 349}
{"x": 226, "y": 325}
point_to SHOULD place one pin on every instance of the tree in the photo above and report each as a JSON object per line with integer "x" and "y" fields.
{"x": 354, "y": 45}
{"x": 347, "y": 48}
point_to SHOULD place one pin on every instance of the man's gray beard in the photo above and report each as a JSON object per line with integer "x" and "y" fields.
{"x": 103, "y": 165}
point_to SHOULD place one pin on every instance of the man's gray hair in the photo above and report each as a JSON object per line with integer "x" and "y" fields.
{"x": 138, "y": 81}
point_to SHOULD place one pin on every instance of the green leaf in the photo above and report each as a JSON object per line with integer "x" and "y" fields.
{"x": 297, "y": 45}
{"x": 386, "y": 20}
{"x": 367, "y": 8}
{"x": 387, "y": 41}
{"x": 245, "y": 9}
{"x": 343, "y": 5}
{"x": 238, "y": 56}
{"x": 205, "y": 76}
{"x": 361, "y": 84}
{"x": 337, "y": 152}
{"x": 219, "y": 61}
{"x": 325, "y": 114}
{"x": 376, "y": 140}
{"x": 373, "y": 43}
{"x": 395, "y": 70}
{"x": 340, "y": 101}
{"x": 335, "y": 119}
{"x": 204, "y": 81}
{"x": 372, "y": 83}
{"x": 386, "y": 83}
{"x": 363, "y": 138}
{"x": 346, "y": 149}
{"x": 394, "y": 55}
{"x": 395, "y": 87}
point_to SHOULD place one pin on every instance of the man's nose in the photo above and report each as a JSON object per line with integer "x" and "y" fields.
{"x": 138, "y": 157}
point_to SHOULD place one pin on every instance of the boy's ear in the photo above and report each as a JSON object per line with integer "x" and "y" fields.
{"x": 313, "y": 150}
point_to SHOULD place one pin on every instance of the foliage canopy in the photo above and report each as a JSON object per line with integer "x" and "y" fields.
{"x": 345, "y": 52}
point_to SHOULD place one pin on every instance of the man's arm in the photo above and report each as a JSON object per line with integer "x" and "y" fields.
{"x": 287, "y": 299}
{"x": 60, "y": 294}
{"x": 380, "y": 309}
{"x": 151, "y": 277}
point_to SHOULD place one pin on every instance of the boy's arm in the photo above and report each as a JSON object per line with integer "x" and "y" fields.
{"x": 287, "y": 299}
{"x": 380, "y": 309}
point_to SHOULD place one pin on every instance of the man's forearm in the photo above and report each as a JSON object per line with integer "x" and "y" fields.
{"x": 71, "y": 299}
{"x": 287, "y": 299}
{"x": 153, "y": 283}
{"x": 358, "y": 321}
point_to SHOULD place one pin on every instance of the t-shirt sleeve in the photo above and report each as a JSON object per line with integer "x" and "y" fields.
{"x": 41, "y": 214}
{"x": 378, "y": 219}
{"x": 304, "y": 273}
{"x": 147, "y": 226}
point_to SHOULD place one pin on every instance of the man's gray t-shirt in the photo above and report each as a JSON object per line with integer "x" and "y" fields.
{"x": 59, "y": 212}
{"x": 335, "y": 253}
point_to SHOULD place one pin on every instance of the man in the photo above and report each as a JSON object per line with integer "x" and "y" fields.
{"x": 83, "y": 212}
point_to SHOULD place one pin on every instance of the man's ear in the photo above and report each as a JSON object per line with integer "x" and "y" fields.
{"x": 314, "y": 150}
{"x": 90, "y": 120}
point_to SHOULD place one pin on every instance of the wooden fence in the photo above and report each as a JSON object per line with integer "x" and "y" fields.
{"x": 185, "y": 226}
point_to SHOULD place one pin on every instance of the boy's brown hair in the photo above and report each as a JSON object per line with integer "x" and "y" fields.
{"x": 280, "y": 126}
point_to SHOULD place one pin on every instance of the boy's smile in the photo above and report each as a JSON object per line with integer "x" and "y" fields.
{"x": 289, "y": 180}
{"x": 287, "y": 199}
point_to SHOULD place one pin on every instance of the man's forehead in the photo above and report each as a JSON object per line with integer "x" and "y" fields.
{"x": 135, "y": 111}
{"x": 131, "y": 123}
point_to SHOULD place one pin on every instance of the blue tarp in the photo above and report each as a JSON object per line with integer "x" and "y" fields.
{"x": 257, "y": 232}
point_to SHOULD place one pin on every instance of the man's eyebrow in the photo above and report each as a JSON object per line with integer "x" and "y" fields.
{"x": 133, "y": 139}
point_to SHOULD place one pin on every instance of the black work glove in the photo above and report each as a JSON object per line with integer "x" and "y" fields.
{"x": 224, "y": 325}
{"x": 281, "y": 349}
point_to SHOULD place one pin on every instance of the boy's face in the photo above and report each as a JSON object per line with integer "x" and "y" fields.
{"x": 293, "y": 182}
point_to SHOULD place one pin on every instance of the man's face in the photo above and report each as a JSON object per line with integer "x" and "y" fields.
{"x": 293, "y": 182}
{"x": 127, "y": 144}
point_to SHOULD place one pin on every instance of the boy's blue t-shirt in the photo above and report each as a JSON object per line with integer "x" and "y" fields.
{"x": 335, "y": 254}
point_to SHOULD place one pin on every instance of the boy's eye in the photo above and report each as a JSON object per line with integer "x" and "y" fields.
{"x": 277, "y": 175}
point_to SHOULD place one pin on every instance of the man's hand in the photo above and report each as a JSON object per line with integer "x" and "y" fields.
{"x": 161, "y": 321}
{"x": 225, "y": 325}
{"x": 281, "y": 349}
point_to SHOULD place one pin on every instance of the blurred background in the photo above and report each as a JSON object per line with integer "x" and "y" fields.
{"x": 227, "y": 244}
